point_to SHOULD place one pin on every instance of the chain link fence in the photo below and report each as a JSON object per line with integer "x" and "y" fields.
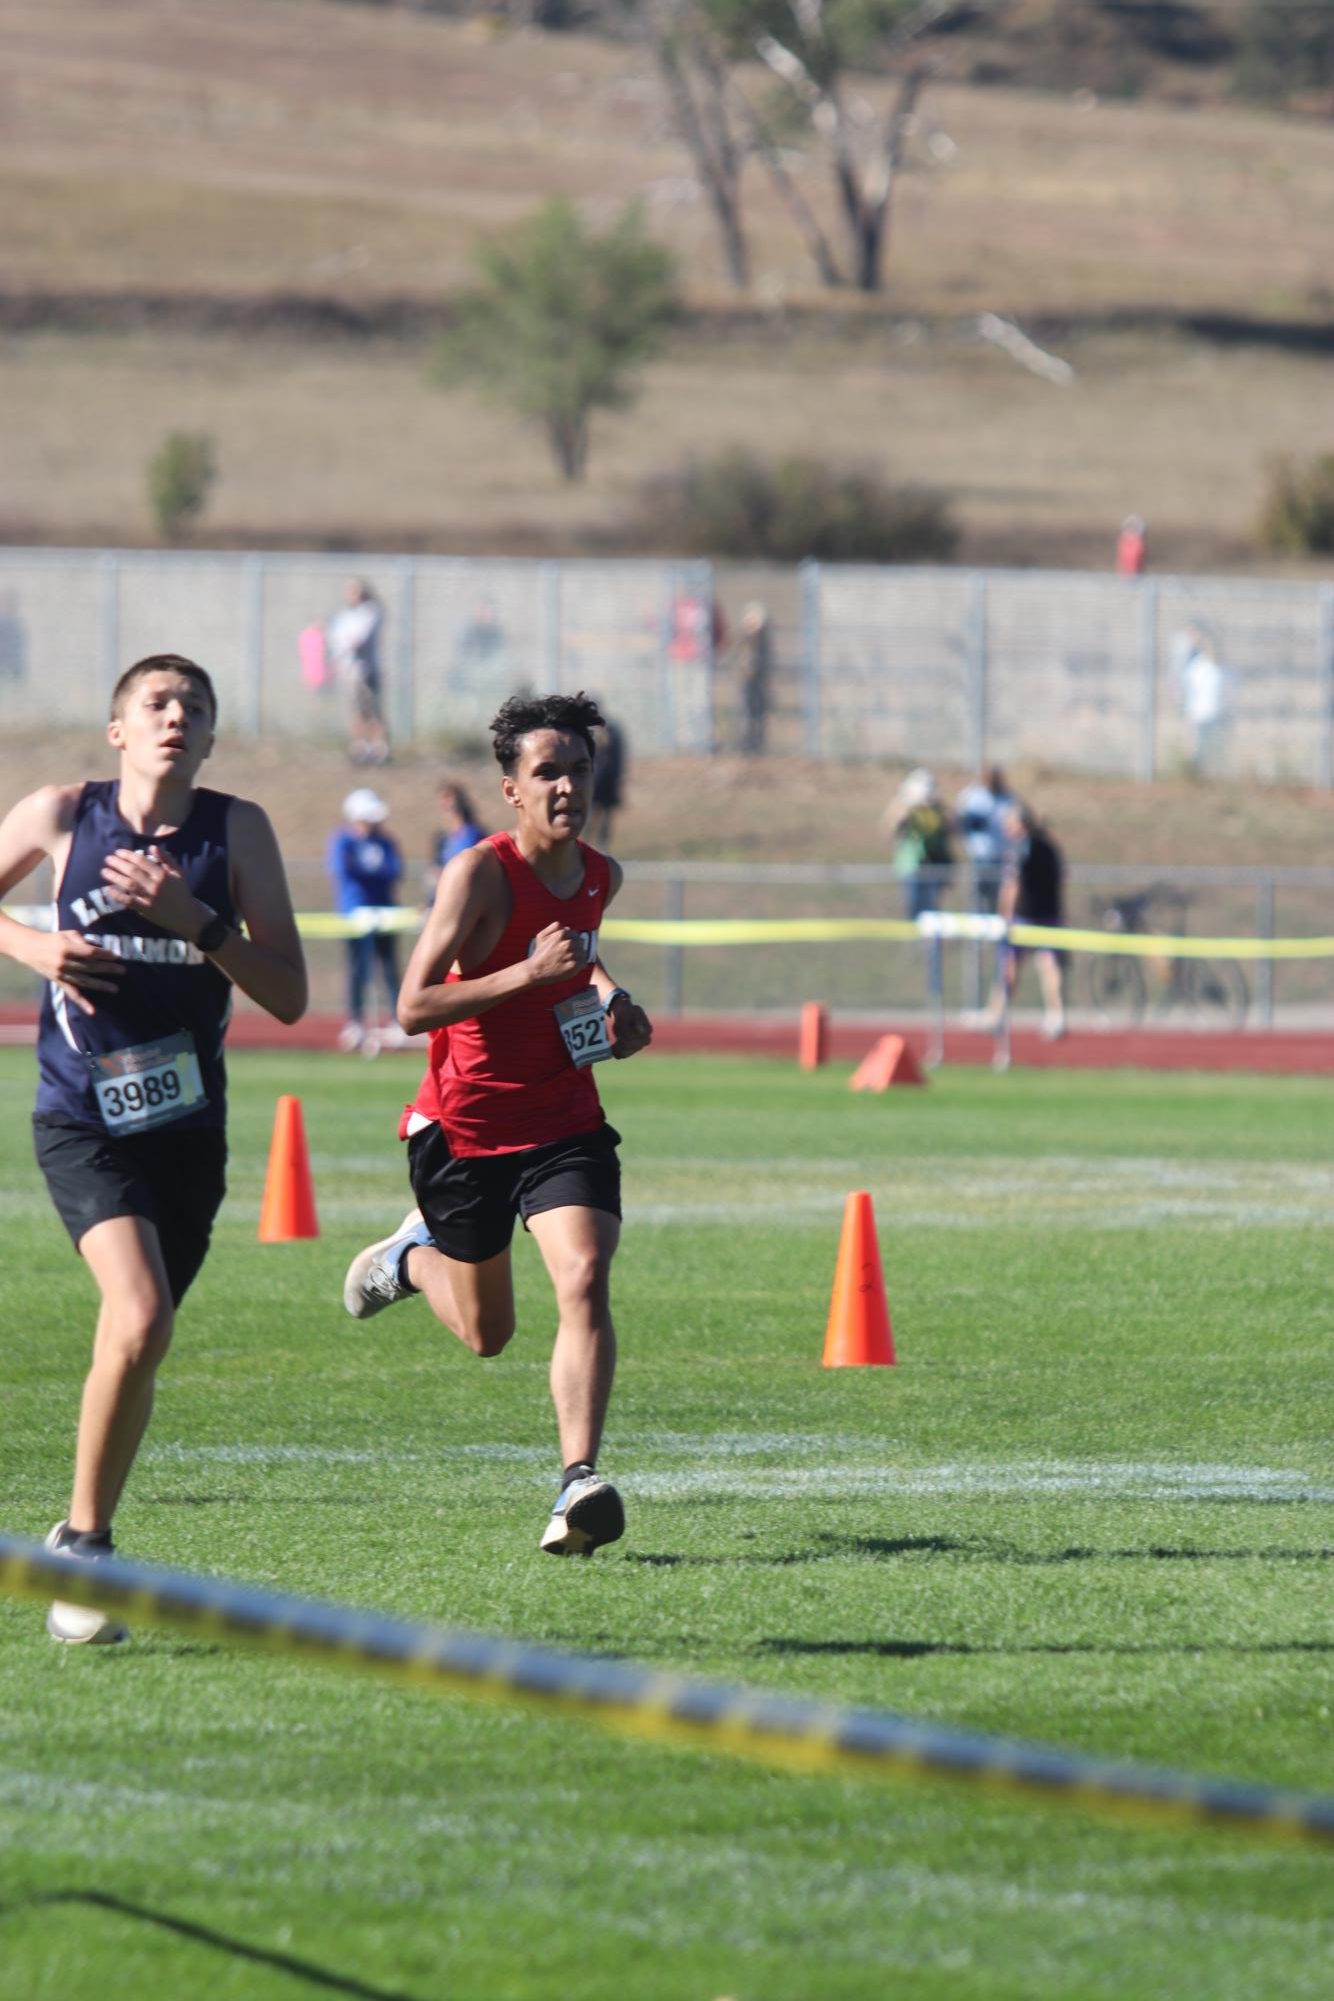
{"x": 1140, "y": 677}
{"x": 459, "y": 636}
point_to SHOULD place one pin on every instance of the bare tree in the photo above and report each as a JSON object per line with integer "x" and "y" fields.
{"x": 814, "y": 49}
{"x": 812, "y": 53}
{"x": 695, "y": 71}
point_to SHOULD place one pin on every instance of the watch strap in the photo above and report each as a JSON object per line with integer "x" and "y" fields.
{"x": 214, "y": 934}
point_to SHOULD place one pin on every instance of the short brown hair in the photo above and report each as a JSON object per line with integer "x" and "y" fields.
{"x": 162, "y": 663}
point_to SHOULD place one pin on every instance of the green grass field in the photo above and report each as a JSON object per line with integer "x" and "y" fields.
{"x": 1087, "y": 1507}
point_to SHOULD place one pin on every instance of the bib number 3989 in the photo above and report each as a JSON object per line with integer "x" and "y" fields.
{"x": 150, "y": 1084}
{"x": 582, "y": 1022}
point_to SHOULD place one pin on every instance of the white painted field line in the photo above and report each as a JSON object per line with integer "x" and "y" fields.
{"x": 711, "y": 1469}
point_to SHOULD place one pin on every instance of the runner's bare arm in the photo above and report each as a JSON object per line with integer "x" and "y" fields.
{"x": 268, "y": 965}
{"x": 38, "y": 829}
{"x": 469, "y": 899}
{"x": 631, "y": 1029}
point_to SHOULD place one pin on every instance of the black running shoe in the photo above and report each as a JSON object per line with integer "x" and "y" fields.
{"x": 587, "y": 1514}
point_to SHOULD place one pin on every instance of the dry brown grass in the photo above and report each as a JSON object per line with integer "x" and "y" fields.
{"x": 145, "y": 142}
{"x": 344, "y": 445}
{"x": 239, "y": 148}
{"x": 729, "y": 808}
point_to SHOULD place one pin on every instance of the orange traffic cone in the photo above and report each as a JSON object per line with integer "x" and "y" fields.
{"x": 813, "y": 1038}
{"x": 288, "y": 1208}
{"x": 859, "y": 1332}
{"x": 890, "y": 1061}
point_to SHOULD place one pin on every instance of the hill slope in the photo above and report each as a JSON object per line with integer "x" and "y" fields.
{"x": 244, "y": 217}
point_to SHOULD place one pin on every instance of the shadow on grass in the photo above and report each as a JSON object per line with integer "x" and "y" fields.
{"x": 990, "y": 1549}
{"x": 969, "y": 1549}
{"x": 911, "y": 1650}
{"x": 283, "y": 1962}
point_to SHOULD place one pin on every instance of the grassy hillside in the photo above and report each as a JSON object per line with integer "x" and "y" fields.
{"x": 244, "y": 217}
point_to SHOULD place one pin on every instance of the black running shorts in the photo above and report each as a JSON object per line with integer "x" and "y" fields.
{"x": 470, "y": 1202}
{"x": 175, "y": 1181}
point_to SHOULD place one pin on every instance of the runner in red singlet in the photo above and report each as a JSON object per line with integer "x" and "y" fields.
{"x": 508, "y": 979}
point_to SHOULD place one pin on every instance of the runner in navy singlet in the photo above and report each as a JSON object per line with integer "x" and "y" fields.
{"x": 152, "y": 876}
{"x": 508, "y": 979}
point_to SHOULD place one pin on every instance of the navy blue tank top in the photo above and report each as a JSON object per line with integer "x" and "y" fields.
{"x": 151, "y": 1056}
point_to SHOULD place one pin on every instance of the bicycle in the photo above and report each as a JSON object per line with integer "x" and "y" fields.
{"x": 1212, "y": 993}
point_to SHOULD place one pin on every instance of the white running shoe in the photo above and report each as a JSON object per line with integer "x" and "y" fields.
{"x": 587, "y": 1514}
{"x": 350, "y": 1037}
{"x": 80, "y": 1625}
{"x": 374, "y": 1277}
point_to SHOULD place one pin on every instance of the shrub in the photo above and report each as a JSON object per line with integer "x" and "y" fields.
{"x": 180, "y": 474}
{"x": 740, "y": 505}
{"x": 562, "y": 320}
{"x": 1297, "y": 516}
{"x": 1283, "y": 52}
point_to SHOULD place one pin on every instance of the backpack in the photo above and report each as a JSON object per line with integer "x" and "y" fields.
{"x": 933, "y": 837}
{"x": 924, "y": 841}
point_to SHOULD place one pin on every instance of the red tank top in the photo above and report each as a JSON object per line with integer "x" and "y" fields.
{"x": 503, "y": 1081}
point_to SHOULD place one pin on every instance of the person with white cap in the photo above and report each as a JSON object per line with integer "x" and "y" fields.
{"x": 365, "y": 865}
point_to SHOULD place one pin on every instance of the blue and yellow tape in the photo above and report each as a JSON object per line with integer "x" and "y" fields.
{"x": 786, "y": 1731}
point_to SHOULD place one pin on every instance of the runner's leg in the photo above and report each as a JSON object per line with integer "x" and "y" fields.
{"x": 134, "y": 1330}
{"x": 475, "y": 1302}
{"x": 577, "y": 1246}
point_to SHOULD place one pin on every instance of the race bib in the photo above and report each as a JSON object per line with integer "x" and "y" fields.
{"x": 148, "y": 1085}
{"x": 582, "y": 1021}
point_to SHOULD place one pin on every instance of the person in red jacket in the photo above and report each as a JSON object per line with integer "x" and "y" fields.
{"x": 508, "y": 979}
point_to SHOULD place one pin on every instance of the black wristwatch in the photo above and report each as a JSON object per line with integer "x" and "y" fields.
{"x": 617, "y": 993}
{"x": 215, "y": 933}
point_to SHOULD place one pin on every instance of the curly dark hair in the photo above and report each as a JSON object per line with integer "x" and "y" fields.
{"x": 515, "y": 719}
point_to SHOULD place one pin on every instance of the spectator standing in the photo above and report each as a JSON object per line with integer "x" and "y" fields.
{"x": 13, "y": 641}
{"x": 1131, "y": 547}
{"x": 919, "y": 829}
{"x": 980, "y": 813}
{"x": 353, "y": 635}
{"x": 609, "y": 769}
{"x": 1033, "y": 892}
{"x": 1202, "y": 690}
{"x": 755, "y": 660}
{"x": 365, "y": 866}
{"x": 459, "y": 829}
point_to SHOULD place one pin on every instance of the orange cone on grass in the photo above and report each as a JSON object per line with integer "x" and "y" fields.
{"x": 859, "y": 1333}
{"x": 813, "y": 1037}
{"x": 288, "y": 1209}
{"x": 889, "y": 1061}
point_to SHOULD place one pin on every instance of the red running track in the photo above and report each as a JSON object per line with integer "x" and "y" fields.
{"x": 1275, "y": 1051}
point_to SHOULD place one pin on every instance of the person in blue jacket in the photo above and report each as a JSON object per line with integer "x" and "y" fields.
{"x": 365, "y": 865}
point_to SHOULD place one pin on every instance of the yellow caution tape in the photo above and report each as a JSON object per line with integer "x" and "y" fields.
{"x": 788, "y": 1731}
{"x": 753, "y": 930}
{"x": 695, "y": 931}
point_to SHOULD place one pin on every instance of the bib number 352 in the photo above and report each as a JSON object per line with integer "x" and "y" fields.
{"x": 583, "y": 1026}
{"x": 150, "y": 1084}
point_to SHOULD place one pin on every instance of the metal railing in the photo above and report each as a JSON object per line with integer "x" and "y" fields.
{"x": 866, "y": 976}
